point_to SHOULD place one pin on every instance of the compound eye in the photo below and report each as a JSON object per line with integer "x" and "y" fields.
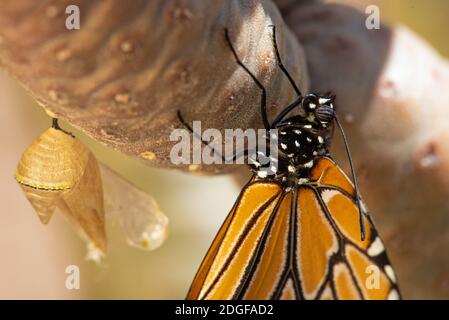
{"x": 325, "y": 113}
{"x": 310, "y": 102}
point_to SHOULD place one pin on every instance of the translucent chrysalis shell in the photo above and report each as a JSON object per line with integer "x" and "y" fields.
{"x": 144, "y": 224}
{"x": 58, "y": 171}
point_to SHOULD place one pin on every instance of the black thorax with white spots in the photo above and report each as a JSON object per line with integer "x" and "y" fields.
{"x": 301, "y": 139}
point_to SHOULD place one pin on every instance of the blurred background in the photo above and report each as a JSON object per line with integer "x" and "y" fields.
{"x": 34, "y": 257}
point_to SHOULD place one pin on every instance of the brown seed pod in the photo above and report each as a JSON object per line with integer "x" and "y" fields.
{"x": 58, "y": 171}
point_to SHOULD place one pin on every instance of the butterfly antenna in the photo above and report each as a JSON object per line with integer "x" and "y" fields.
{"x": 354, "y": 179}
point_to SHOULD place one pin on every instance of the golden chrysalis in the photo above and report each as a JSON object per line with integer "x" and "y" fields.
{"x": 58, "y": 171}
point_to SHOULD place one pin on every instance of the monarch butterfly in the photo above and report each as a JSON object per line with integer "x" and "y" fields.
{"x": 301, "y": 232}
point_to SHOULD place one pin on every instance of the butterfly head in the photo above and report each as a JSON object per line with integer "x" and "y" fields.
{"x": 319, "y": 109}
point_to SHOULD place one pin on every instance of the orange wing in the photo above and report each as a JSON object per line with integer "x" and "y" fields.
{"x": 298, "y": 243}
{"x": 355, "y": 269}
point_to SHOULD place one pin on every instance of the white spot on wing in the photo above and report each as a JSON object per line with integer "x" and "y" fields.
{"x": 283, "y": 146}
{"x": 376, "y": 248}
{"x": 390, "y": 273}
{"x": 393, "y": 295}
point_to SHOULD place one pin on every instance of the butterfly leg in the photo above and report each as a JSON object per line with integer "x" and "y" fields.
{"x": 290, "y": 79}
{"x": 281, "y": 65}
{"x": 263, "y": 100}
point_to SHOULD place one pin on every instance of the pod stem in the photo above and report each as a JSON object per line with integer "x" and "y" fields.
{"x": 55, "y": 125}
